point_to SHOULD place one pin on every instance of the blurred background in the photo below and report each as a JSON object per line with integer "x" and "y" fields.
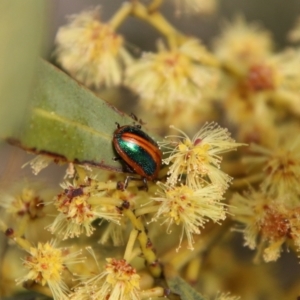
{"x": 277, "y": 16}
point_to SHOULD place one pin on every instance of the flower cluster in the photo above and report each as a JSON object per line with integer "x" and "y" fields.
{"x": 118, "y": 281}
{"x": 198, "y": 160}
{"x": 46, "y": 264}
{"x": 270, "y": 215}
{"x": 25, "y": 206}
{"x": 242, "y": 83}
{"x": 176, "y": 76}
{"x": 280, "y": 168}
{"x": 90, "y": 50}
{"x": 173, "y": 78}
{"x": 80, "y": 204}
{"x": 256, "y": 77}
{"x": 241, "y": 44}
{"x": 268, "y": 223}
{"x": 195, "y": 184}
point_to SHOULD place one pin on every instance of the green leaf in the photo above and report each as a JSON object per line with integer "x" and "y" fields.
{"x": 178, "y": 286}
{"x": 21, "y": 31}
{"x": 68, "y": 121}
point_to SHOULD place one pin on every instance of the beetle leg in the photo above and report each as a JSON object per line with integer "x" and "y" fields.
{"x": 123, "y": 186}
{"x": 145, "y": 183}
{"x": 128, "y": 169}
{"x": 134, "y": 117}
{"x": 128, "y": 178}
{"x": 118, "y": 125}
{"x": 144, "y": 179}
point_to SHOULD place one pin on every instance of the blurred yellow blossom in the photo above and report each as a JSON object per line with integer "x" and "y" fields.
{"x": 91, "y": 51}
{"x": 242, "y": 44}
{"x": 267, "y": 222}
{"x": 280, "y": 167}
{"x": 294, "y": 34}
{"x": 285, "y": 67}
{"x": 24, "y": 207}
{"x": 171, "y": 77}
{"x": 203, "y": 7}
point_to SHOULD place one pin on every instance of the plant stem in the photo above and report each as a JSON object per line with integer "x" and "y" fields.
{"x": 120, "y": 16}
{"x": 158, "y": 21}
{"x": 154, "y": 5}
{"x": 145, "y": 243}
{"x": 152, "y": 293}
{"x": 246, "y": 181}
{"x": 193, "y": 269}
{"x": 32, "y": 286}
{"x": 128, "y": 251}
{"x": 146, "y": 210}
{"x": 201, "y": 247}
{"x": 104, "y": 201}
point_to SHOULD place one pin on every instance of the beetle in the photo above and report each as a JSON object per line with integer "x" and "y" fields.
{"x": 139, "y": 152}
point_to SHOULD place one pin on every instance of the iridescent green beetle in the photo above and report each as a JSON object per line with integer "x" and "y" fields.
{"x": 139, "y": 151}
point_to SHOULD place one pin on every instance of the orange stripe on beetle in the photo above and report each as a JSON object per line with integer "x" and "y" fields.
{"x": 139, "y": 151}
